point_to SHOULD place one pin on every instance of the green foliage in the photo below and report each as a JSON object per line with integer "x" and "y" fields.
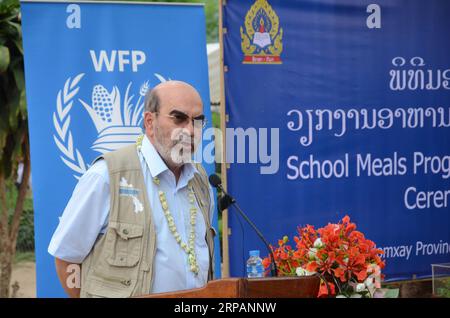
{"x": 24, "y": 257}
{"x": 212, "y": 20}
{"x": 25, "y": 238}
{"x": 444, "y": 289}
{"x": 13, "y": 112}
{"x": 215, "y": 120}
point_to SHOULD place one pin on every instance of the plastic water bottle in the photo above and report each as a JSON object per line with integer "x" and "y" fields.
{"x": 254, "y": 265}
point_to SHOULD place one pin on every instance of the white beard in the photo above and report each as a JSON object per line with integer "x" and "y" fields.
{"x": 179, "y": 153}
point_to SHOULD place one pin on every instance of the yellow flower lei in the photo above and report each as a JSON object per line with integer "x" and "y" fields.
{"x": 190, "y": 247}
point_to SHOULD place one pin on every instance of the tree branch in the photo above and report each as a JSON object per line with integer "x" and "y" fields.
{"x": 3, "y": 213}
{"x": 23, "y": 187}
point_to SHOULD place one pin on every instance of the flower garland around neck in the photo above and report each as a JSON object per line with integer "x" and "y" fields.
{"x": 189, "y": 248}
{"x": 139, "y": 140}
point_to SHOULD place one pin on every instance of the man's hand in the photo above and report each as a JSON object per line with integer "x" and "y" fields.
{"x": 70, "y": 277}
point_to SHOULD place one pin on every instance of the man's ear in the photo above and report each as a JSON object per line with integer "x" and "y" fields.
{"x": 148, "y": 122}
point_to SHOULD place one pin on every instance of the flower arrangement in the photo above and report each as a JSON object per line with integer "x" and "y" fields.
{"x": 348, "y": 263}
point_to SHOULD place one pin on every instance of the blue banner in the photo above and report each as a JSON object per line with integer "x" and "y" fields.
{"x": 88, "y": 66}
{"x": 344, "y": 108}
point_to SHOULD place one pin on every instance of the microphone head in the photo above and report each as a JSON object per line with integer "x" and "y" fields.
{"x": 214, "y": 180}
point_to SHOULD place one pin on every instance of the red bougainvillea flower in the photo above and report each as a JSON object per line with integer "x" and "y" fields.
{"x": 340, "y": 273}
{"x": 285, "y": 260}
{"x": 323, "y": 290}
{"x": 340, "y": 253}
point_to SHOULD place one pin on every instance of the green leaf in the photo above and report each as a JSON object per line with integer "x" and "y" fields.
{"x": 19, "y": 76}
{"x": 16, "y": 27}
{"x": 12, "y": 108}
{"x": 14, "y": 111}
{"x": 23, "y": 105}
{"x": 18, "y": 43}
{"x": 17, "y": 150}
{"x": 8, "y": 7}
{"x": 3, "y": 136}
{"x": 4, "y": 58}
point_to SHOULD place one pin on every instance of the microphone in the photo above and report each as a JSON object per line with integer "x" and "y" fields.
{"x": 215, "y": 181}
{"x": 228, "y": 200}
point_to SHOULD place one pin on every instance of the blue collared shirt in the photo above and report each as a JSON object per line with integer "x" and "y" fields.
{"x": 86, "y": 216}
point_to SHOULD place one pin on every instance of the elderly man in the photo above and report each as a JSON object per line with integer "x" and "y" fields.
{"x": 139, "y": 220}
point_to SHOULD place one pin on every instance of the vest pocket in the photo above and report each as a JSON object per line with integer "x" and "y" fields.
{"x": 117, "y": 270}
{"x": 126, "y": 246}
{"x": 102, "y": 286}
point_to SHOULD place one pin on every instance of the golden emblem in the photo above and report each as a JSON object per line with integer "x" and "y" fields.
{"x": 261, "y": 42}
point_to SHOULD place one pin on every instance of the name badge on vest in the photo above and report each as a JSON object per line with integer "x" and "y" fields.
{"x": 126, "y": 189}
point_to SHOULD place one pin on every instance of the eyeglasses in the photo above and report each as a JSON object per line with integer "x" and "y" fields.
{"x": 181, "y": 119}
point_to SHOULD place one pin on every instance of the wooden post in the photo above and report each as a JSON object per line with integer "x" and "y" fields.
{"x": 225, "y": 246}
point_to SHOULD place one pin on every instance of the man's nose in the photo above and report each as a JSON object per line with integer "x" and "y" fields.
{"x": 190, "y": 127}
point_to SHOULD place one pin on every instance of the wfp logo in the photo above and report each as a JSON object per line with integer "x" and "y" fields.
{"x": 117, "y": 118}
{"x": 116, "y": 123}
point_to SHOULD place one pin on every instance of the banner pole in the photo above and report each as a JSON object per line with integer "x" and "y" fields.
{"x": 225, "y": 246}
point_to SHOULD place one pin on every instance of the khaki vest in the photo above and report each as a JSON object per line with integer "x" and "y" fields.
{"x": 121, "y": 262}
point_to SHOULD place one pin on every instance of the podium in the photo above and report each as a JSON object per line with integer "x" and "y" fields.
{"x": 274, "y": 287}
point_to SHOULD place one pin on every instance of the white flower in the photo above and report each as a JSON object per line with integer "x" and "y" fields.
{"x": 369, "y": 282}
{"x": 318, "y": 243}
{"x": 312, "y": 253}
{"x": 303, "y": 272}
{"x": 360, "y": 287}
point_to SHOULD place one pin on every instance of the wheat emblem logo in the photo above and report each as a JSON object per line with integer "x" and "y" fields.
{"x": 118, "y": 122}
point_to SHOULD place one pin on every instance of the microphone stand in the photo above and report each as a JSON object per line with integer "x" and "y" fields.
{"x": 228, "y": 200}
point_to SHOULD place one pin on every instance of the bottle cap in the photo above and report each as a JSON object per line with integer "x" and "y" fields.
{"x": 254, "y": 253}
